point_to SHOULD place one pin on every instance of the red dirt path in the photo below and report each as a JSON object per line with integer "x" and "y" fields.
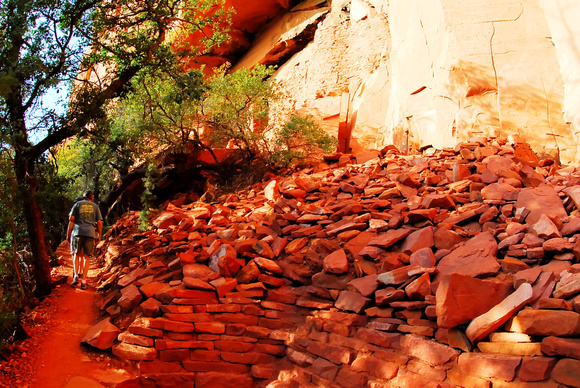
{"x": 53, "y": 356}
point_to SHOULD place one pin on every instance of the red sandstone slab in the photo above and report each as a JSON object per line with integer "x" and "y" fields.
{"x": 164, "y": 344}
{"x": 556, "y": 346}
{"x": 423, "y": 257}
{"x": 546, "y": 322}
{"x": 429, "y": 351}
{"x": 465, "y": 380}
{"x": 248, "y": 358}
{"x": 150, "y": 289}
{"x": 545, "y": 228}
{"x": 156, "y": 366}
{"x": 283, "y": 295}
{"x": 529, "y": 275}
{"x": 204, "y": 355}
{"x": 130, "y": 298}
{"x": 331, "y": 281}
{"x": 375, "y": 367}
{"x": 176, "y": 355}
{"x": 132, "y": 276}
{"x": 336, "y": 262}
{"x": 347, "y": 377}
{"x": 268, "y": 265}
{"x": 554, "y": 304}
{"x": 365, "y": 285}
{"x": 385, "y": 240}
{"x": 151, "y": 307}
{"x": 528, "y": 349}
{"x": 419, "y": 288}
{"x": 567, "y": 372}
{"x": 568, "y": 286}
{"x": 446, "y": 239}
{"x": 483, "y": 325}
{"x": 144, "y": 326}
{"x": 489, "y": 365}
{"x": 302, "y": 359}
{"x": 343, "y": 226}
{"x": 351, "y": 301}
{"x": 475, "y": 258}
{"x": 102, "y": 335}
{"x": 422, "y": 238}
{"x": 220, "y": 366}
{"x": 399, "y": 275}
{"x": 571, "y": 227}
{"x": 134, "y": 352}
{"x": 465, "y": 214}
{"x": 456, "y": 295}
{"x": 249, "y": 320}
{"x": 540, "y": 200}
{"x": 210, "y": 327}
{"x": 536, "y": 368}
{"x": 335, "y": 354}
{"x": 443, "y": 201}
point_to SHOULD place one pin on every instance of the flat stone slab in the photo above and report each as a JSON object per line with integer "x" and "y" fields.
{"x": 540, "y": 200}
{"x": 547, "y": 322}
{"x": 487, "y": 323}
{"x": 456, "y": 294}
{"x": 477, "y": 257}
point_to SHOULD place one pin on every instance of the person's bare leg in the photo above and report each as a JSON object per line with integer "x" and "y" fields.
{"x": 76, "y": 268}
{"x": 75, "y": 260}
{"x": 87, "y": 263}
{"x": 81, "y": 265}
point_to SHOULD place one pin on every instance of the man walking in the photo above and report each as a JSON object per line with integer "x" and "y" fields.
{"x": 84, "y": 228}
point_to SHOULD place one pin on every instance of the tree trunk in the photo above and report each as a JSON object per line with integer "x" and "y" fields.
{"x": 26, "y": 178}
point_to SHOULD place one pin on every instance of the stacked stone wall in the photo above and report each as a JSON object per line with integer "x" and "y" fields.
{"x": 446, "y": 269}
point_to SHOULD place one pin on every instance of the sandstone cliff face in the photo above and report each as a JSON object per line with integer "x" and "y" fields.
{"x": 378, "y": 72}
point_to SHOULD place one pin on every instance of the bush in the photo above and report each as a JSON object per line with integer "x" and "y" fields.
{"x": 12, "y": 299}
{"x": 298, "y": 139}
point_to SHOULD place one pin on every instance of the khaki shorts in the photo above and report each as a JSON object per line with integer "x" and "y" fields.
{"x": 82, "y": 244}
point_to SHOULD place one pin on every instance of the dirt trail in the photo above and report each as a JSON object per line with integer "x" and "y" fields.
{"x": 53, "y": 356}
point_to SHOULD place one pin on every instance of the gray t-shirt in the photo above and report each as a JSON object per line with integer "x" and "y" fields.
{"x": 86, "y": 214}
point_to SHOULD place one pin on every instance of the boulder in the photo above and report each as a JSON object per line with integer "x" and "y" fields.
{"x": 542, "y": 200}
{"x": 455, "y": 296}
{"x": 102, "y": 335}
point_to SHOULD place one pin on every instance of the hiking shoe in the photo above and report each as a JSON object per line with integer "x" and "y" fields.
{"x": 75, "y": 281}
{"x": 83, "y": 286}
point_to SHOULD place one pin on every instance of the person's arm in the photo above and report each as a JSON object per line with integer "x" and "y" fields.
{"x": 100, "y": 228}
{"x": 71, "y": 225}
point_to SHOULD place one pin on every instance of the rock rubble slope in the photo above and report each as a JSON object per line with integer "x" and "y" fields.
{"x": 447, "y": 269}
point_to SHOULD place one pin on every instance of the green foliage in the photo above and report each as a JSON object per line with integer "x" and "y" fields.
{"x": 161, "y": 111}
{"x": 148, "y": 198}
{"x": 10, "y": 306}
{"x": 299, "y": 138}
{"x": 85, "y": 163}
{"x": 237, "y": 108}
{"x": 12, "y": 297}
{"x": 11, "y": 223}
{"x": 165, "y": 111}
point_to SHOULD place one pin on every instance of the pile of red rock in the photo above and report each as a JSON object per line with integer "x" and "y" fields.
{"x": 451, "y": 268}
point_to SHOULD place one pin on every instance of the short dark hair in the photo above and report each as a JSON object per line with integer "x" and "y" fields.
{"x": 89, "y": 194}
